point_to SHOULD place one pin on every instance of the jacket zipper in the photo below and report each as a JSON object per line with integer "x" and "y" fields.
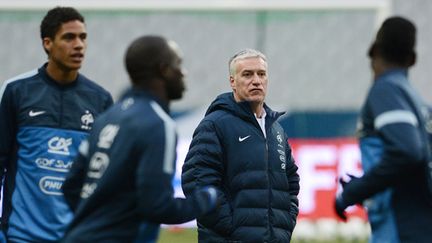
{"x": 269, "y": 188}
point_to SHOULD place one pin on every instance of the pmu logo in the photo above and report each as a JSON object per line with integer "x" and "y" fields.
{"x": 59, "y": 145}
{"x": 51, "y": 185}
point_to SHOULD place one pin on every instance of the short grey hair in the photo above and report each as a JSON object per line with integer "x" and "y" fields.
{"x": 243, "y": 54}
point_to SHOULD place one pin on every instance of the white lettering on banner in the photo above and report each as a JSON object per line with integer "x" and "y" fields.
{"x": 311, "y": 179}
{"x": 182, "y": 149}
{"x": 320, "y": 162}
{"x": 349, "y": 157}
{"x": 336, "y": 161}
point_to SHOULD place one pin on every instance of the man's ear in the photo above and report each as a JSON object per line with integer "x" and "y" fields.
{"x": 372, "y": 50}
{"x": 164, "y": 70}
{"x": 232, "y": 82}
{"x": 47, "y": 44}
{"x": 412, "y": 59}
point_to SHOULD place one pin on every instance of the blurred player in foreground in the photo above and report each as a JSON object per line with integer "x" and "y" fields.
{"x": 394, "y": 144}
{"x": 123, "y": 174}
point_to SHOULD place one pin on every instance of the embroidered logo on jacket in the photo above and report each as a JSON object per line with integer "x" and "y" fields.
{"x": 33, "y": 113}
{"x": 86, "y": 120}
{"x": 241, "y": 139}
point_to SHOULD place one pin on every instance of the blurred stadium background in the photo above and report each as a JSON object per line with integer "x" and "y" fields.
{"x": 319, "y": 72}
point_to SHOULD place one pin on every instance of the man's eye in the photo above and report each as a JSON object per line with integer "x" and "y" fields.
{"x": 68, "y": 37}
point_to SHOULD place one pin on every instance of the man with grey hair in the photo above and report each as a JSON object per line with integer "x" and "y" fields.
{"x": 241, "y": 150}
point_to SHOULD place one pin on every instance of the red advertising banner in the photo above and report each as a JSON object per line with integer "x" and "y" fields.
{"x": 321, "y": 163}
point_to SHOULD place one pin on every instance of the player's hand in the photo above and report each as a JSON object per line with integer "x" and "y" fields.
{"x": 206, "y": 199}
{"x": 345, "y": 182}
{"x": 340, "y": 207}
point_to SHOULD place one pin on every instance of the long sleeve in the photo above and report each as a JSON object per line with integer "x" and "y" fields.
{"x": 204, "y": 166}
{"x": 156, "y": 202}
{"x": 75, "y": 178}
{"x": 8, "y": 128}
{"x": 397, "y": 124}
{"x": 294, "y": 184}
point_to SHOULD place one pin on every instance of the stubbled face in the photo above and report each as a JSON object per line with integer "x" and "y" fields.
{"x": 66, "y": 50}
{"x": 249, "y": 83}
{"x": 174, "y": 76}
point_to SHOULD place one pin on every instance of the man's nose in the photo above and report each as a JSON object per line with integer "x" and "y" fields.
{"x": 79, "y": 43}
{"x": 183, "y": 71}
{"x": 256, "y": 79}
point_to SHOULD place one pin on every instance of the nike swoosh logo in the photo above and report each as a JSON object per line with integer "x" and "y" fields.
{"x": 241, "y": 139}
{"x": 36, "y": 113}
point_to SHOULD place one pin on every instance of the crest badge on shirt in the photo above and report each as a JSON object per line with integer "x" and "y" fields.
{"x": 86, "y": 120}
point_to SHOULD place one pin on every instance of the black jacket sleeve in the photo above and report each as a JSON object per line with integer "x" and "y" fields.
{"x": 156, "y": 201}
{"x": 203, "y": 167}
{"x": 8, "y": 129}
{"x": 75, "y": 178}
{"x": 294, "y": 185}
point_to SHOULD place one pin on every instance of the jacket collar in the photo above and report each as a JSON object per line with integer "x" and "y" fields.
{"x": 42, "y": 71}
{"x": 136, "y": 92}
{"x": 242, "y": 109}
{"x": 393, "y": 72}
